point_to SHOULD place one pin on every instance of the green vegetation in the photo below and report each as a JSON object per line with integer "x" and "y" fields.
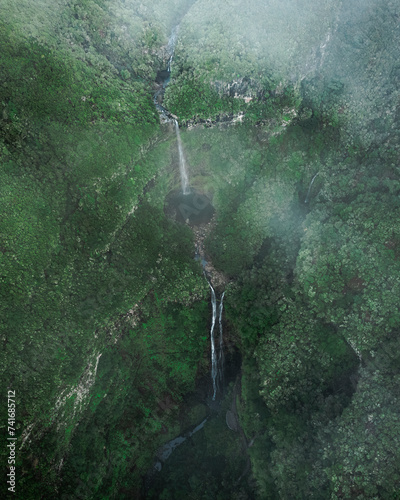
{"x": 81, "y": 247}
{"x": 104, "y": 312}
{"x": 188, "y": 97}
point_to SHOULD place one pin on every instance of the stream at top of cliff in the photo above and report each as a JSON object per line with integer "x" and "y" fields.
{"x": 163, "y": 78}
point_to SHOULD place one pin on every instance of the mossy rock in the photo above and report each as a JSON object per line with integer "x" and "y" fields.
{"x": 231, "y": 421}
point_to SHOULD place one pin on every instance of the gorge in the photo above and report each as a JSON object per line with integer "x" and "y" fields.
{"x": 199, "y": 248}
{"x": 217, "y": 358}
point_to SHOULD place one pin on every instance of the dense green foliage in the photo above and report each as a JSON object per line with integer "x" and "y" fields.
{"x": 81, "y": 246}
{"x": 189, "y": 97}
{"x": 104, "y": 313}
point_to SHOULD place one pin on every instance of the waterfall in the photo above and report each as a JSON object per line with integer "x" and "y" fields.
{"x": 171, "y": 50}
{"x": 214, "y": 361}
{"x": 172, "y": 41}
{"x": 182, "y": 163}
{"x": 221, "y": 357}
{"x": 309, "y": 188}
{"x": 168, "y": 69}
{"x": 217, "y": 361}
{"x": 167, "y": 116}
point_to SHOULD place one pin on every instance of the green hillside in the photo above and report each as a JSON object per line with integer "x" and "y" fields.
{"x": 290, "y": 127}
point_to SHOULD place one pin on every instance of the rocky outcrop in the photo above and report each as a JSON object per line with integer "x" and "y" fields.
{"x": 217, "y": 278}
{"x": 231, "y": 421}
{"x": 242, "y": 88}
{"x": 219, "y": 120}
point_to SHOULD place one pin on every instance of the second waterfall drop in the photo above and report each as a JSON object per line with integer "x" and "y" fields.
{"x": 217, "y": 361}
{"x": 221, "y": 357}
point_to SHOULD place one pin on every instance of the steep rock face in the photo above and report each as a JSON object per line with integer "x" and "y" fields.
{"x": 241, "y": 88}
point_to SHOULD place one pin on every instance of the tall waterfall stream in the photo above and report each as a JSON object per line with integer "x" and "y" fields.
{"x": 217, "y": 344}
{"x": 217, "y": 359}
{"x": 217, "y": 354}
{"x": 310, "y": 186}
{"x": 182, "y": 162}
{"x": 168, "y": 117}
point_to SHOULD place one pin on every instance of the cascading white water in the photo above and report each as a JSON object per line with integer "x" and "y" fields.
{"x": 172, "y": 41}
{"x": 182, "y": 163}
{"x": 309, "y": 189}
{"x": 214, "y": 361}
{"x": 166, "y": 115}
{"x": 170, "y": 50}
{"x": 169, "y": 64}
{"x": 221, "y": 357}
{"x": 217, "y": 361}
